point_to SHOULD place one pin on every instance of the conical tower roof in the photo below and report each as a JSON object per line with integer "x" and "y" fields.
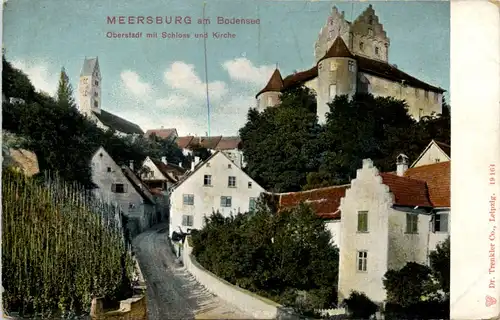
{"x": 338, "y": 50}
{"x": 275, "y": 83}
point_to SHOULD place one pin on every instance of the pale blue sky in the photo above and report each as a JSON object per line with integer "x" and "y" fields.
{"x": 160, "y": 82}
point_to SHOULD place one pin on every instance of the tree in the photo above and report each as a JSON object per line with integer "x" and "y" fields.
{"x": 360, "y": 306}
{"x": 64, "y": 90}
{"x": 440, "y": 265}
{"x": 280, "y": 144}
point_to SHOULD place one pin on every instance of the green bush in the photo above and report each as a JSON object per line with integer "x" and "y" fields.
{"x": 286, "y": 257}
{"x": 59, "y": 247}
{"x": 360, "y": 306}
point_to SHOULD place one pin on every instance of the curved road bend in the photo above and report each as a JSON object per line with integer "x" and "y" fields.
{"x": 173, "y": 293}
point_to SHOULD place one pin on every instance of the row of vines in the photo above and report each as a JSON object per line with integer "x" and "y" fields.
{"x": 60, "y": 247}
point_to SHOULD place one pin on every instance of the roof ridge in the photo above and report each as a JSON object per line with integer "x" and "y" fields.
{"x": 311, "y": 190}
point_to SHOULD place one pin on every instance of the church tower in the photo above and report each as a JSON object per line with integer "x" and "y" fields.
{"x": 89, "y": 87}
{"x": 337, "y": 75}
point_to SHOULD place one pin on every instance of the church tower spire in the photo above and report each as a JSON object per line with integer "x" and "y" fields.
{"x": 89, "y": 87}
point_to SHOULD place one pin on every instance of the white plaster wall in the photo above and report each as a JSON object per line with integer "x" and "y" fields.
{"x": 207, "y": 198}
{"x": 385, "y": 88}
{"x": 156, "y": 173}
{"x": 334, "y": 227}
{"x": 268, "y": 99}
{"x": 367, "y": 193}
{"x": 104, "y": 179}
{"x": 404, "y": 247}
{"x": 312, "y": 84}
{"x": 236, "y": 156}
{"x": 430, "y": 156}
{"x": 252, "y": 304}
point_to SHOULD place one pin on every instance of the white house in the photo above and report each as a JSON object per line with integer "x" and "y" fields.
{"x": 434, "y": 152}
{"x": 216, "y": 184}
{"x": 388, "y": 220}
{"x": 161, "y": 174}
{"x": 120, "y": 186}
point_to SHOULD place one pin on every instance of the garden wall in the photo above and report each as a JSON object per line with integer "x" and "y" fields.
{"x": 249, "y": 302}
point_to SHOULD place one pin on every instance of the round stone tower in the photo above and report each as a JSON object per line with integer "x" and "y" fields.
{"x": 270, "y": 95}
{"x": 337, "y": 75}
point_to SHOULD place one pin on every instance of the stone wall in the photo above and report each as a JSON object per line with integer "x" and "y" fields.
{"x": 134, "y": 308}
{"x": 250, "y": 303}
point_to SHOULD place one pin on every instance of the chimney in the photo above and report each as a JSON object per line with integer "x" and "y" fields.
{"x": 131, "y": 165}
{"x": 401, "y": 164}
{"x": 164, "y": 160}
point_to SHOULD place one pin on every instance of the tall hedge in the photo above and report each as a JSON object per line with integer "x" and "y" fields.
{"x": 59, "y": 247}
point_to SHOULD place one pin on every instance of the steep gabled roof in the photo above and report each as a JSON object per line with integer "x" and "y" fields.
{"x": 324, "y": 201}
{"x": 407, "y": 191}
{"x": 445, "y": 148}
{"x": 275, "y": 83}
{"x": 170, "y": 171}
{"x": 89, "y": 66}
{"x": 140, "y": 187}
{"x": 119, "y": 124}
{"x": 162, "y": 133}
{"x": 298, "y": 78}
{"x": 338, "y": 49}
{"x": 437, "y": 177}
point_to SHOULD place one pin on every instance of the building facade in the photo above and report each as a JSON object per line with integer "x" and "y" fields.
{"x": 216, "y": 184}
{"x": 352, "y": 57}
{"x": 90, "y": 96}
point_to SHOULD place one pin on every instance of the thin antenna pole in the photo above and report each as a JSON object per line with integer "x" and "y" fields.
{"x": 206, "y": 67}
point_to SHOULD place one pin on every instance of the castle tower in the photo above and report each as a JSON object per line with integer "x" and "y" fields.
{"x": 369, "y": 38}
{"x": 336, "y": 26}
{"x": 337, "y": 75}
{"x": 270, "y": 95}
{"x": 89, "y": 87}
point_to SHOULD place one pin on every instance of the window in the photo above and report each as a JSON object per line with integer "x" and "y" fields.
{"x": 188, "y": 199}
{"x": 187, "y": 220}
{"x": 426, "y": 94}
{"x": 351, "y": 66}
{"x": 231, "y": 182}
{"x": 370, "y": 32}
{"x": 252, "y": 204}
{"x": 269, "y": 101}
{"x": 333, "y": 91}
{"x": 333, "y": 66}
{"x": 249, "y": 184}
{"x": 208, "y": 165}
{"x": 96, "y": 83}
{"x": 437, "y": 160}
{"x": 416, "y": 92}
{"x": 225, "y": 202}
{"x": 362, "y": 260}
{"x": 420, "y": 113}
{"x": 229, "y": 166}
{"x": 207, "y": 180}
{"x": 376, "y": 51}
{"x": 441, "y": 222}
{"x": 370, "y": 20}
{"x": 436, "y": 97}
{"x": 320, "y": 66}
{"x": 362, "y": 221}
{"x": 95, "y": 93}
{"x": 411, "y": 223}
{"x": 361, "y": 46}
{"x": 118, "y": 188}
{"x": 109, "y": 169}
{"x": 96, "y": 105}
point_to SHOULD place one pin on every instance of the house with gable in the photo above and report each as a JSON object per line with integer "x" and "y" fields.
{"x": 90, "y": 105}
{"x": 161, "y": 174}
{"x": 434, "y": 152}
{"x": 168, "y": 134}
{"x": 119, "y": 186}
{"x": 216, "y": 184}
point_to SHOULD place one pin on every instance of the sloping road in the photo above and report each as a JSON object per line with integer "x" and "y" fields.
{"x": 173, "y": 293}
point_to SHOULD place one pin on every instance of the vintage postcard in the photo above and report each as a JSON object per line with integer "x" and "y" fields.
{"x": 247, "y": 159}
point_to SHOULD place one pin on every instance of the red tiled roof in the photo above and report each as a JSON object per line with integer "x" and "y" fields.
{"x": 161, "y": 133}
{"x": 170, "y": 171}
{"x": 407, "y": 192}
{"x": 324, "y": 201}
{"x": 445, "y": 147}
{"x": 229, "y": 143}
{"x": 183, "y": 142}
{"x": 299, "y": 78}
{"x": 338, "y": 49}
{"x": 205, "y": 142}
{"x": 275, "y": 83}
{"x": 437, "y": 177}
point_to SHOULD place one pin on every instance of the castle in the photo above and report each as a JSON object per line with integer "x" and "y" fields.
{"x": 89, "y": 91}
{"x": 353, "y": 57}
